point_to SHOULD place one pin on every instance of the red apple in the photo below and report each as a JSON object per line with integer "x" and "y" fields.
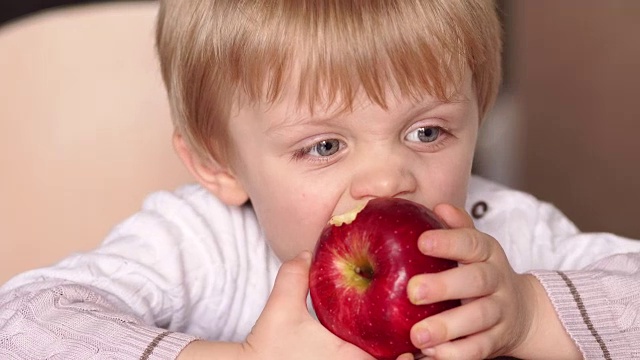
{"x": 359, "y": 274}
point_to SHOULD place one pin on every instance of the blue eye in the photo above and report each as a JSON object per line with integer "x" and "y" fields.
{"x": 321, "y": 151}
{"x": 324, "y": 148}
{"x": 425, "y": 134}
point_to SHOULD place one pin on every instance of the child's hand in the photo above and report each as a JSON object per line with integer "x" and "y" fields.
{"x": 286, "y": 330}
{"x": 498, "y": 304}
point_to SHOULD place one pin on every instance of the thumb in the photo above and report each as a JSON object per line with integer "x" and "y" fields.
{"x": 291, "y": 286}
{"x": 453, "y": 216}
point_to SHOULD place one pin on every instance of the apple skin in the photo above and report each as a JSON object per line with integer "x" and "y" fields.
{"x": 359, "y": 274}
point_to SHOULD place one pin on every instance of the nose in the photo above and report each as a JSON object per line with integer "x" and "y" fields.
{"x": 386, "y": 177}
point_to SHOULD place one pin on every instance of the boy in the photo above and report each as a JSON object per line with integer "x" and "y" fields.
{"x": 308, "y": 108}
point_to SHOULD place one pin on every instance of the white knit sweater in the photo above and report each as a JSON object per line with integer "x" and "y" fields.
{"x": 187, "y": 266}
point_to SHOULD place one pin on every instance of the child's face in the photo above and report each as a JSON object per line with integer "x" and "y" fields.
{"x": 299, "y": 170}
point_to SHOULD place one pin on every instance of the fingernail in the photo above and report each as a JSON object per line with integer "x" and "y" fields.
{"x": 425, "y": 244}
{"x": 422, "y": 338}
{"x": 417, "y": 293}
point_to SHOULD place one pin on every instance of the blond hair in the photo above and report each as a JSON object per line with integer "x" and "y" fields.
{"x": 212, "y": 52}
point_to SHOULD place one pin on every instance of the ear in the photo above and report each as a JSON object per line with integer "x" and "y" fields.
{"x": 218, "y": 179}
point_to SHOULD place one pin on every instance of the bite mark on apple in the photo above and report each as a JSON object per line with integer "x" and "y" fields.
{"x": 346, "y": 218}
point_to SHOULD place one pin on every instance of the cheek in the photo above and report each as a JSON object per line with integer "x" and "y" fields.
{"x": 447, "y": 181}
{"x": 459, "y": 186}
{"x": 462, "y": 171}
{"x": 292, "y": 220}
{"x": 448, "y": 188}
{"x": 459, "y": 189}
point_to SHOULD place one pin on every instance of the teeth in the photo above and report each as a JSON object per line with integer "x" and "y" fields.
{"x": 346, "y": 218}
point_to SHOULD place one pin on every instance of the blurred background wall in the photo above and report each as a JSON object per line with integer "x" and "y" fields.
{"x": 568, "y": 121}
{"x": 566, "y": 126}
{"x": 577, "y": 75}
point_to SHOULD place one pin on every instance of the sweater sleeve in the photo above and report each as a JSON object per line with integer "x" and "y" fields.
{"x": 168, "y": 271}
{"x": 599, "y": 306}
{"x": 58, "y": 320}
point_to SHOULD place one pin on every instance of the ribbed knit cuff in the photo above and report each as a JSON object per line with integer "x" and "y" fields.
{"x": 158, "y": 344}
{"x": 581, "y": 304}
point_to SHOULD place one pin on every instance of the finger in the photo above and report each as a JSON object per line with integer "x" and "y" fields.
{"x": 291, "y": 285}
{"x": 464, "y": 245}
{"x": 472, "y": 318}
{"x": 472, "y": 347}
{"x": 406, "y": 356}
{"x": 453, "y": 216}
{"x": 466, "y": 282}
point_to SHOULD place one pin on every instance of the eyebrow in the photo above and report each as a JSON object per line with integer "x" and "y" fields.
{"x": 295, "y": 120}
{"x": 424, "y": 108}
